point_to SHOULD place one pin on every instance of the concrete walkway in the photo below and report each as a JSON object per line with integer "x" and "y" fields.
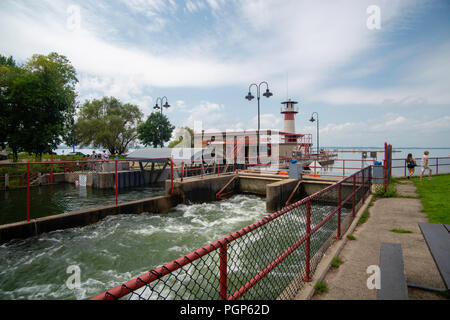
{"x": 349, "y": 281}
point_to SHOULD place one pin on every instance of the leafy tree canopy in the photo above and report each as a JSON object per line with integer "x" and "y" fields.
{"x": 35, "y": 101}
{"x": 109, "y": 124}
{"x": 155, "y": 130}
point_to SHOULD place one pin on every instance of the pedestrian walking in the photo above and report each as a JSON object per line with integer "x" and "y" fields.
{"x": 424, "y": 164}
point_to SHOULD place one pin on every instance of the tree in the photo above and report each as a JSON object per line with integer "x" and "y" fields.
{"x": 37, "y": 97}
{"x": 7, "y": 70}
{"x": 109, "y": 124}
{"x": 71, "y": 135}
{"x": 155, "y": 130}
{"x": 184, "y": 138}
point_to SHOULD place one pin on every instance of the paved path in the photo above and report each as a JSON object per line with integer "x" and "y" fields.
{"x": 348, "y": 282}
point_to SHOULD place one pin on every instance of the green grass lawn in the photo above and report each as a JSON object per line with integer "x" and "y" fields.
{"x": 435, "y": 197}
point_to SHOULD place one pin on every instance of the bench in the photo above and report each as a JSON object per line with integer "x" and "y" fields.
{"x": 393, "y": 284}
{"x": 437, "y": 237}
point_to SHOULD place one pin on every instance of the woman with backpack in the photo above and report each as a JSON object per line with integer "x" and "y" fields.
{"x": 411, "y": 164}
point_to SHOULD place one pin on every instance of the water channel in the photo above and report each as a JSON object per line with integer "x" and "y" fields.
{"x": 117, "y": 248}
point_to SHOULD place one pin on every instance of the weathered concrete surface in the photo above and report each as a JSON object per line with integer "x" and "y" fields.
{"x": 278, "y": 193}
{"x": 349, "y": 281}
{"x": 406, "y": 188}
{"x": 197, "y": 190}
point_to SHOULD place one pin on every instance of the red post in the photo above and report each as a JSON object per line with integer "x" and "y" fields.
{"x": 171, "y": 175}
{"x": 117, "y": 191}
{"x": 363, "y": 187}
{"x": 51, "y": 170}
{"x": 405, "y": 167}
{"x": 28, "y": 191}
{"x": 308, "y": 241}
{"x": 343, "y": 168}
{"x": 338, "y": 235}
{"x": 223, "y": 272}
{"x": 353, "y": 196}
{"x": 385, "y": 167}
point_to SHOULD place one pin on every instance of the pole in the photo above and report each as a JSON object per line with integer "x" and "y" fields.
{"x": 317, "y": 135}
{"x": 338, "y": 235}
{"x": 353, "y": 196}
{"x": 51, "y": 170}
{"x": 363, "y": 186}
{"x": 28, "y": 191}
{"x": 117, "y": 192}
{"x": 223, "y": 272}
{"x": 257, "y": 134}
{"x": 171, "y": 175}
{"x": 385, "y": 167}
{"x": 308, "y": 241}
{"x": 343, "y": 168}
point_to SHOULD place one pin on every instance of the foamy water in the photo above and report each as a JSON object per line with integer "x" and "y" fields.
{"x": 117, "y": 248}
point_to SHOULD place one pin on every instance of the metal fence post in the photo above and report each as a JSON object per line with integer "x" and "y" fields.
{"x": 223, "y": 272}
{"x": 353, "y": 196}
{"x": 363, "y": 186}
{"x": 117, "y": 191}
{"x": 171, "y": 175}
{"x": 405, "y": 168}
{"x": 338, "y": 234}
{"x": 28, "y": 191}
{"x": 385, "y": 167}
{"x": 343, "y": 168}
{"x": 437, "y": 165}
{"x": 308, "y": 241}
{"x": 51, "y": 170}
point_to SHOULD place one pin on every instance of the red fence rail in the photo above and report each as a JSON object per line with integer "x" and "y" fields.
{"x": 243, "y": 264}
{"x": 24, "y": 175}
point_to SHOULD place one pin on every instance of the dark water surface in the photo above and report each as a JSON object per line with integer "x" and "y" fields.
{"x": 62, "y": 198}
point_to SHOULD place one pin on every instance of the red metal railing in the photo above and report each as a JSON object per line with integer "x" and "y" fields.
{"x": 238, "y": 264}
{"x": 32, "y": 170}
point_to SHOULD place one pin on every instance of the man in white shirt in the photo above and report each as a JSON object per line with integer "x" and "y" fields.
{"x": 424, "y": 164}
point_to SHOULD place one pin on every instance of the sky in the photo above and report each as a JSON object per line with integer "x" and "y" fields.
{"x": 374, "y": 71}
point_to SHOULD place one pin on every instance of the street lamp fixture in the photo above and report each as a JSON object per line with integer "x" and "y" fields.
{"x": 250, "y": 97}
{"x": 312, "y": 120}
{"x": 157, "y": 107}
{"x": 166, "y": 105}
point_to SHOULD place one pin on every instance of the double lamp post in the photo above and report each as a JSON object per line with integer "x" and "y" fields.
{"x": 250, "y": 97}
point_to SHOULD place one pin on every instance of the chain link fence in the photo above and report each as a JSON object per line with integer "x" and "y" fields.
{"x": 267, "y": 260}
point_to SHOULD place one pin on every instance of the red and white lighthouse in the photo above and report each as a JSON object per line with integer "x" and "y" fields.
{"x": 289, "y": 116}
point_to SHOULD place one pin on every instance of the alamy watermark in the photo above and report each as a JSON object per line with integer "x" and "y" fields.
{"x": 374, "y": 280}
{"x": 74, "y": 280}
{"x": 374, "y": 19}
{"x": 238, "y": 147}
{"x": 73, "y": 22}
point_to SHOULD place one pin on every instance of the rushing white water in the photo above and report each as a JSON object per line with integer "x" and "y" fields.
{"x": 116, "y": 249}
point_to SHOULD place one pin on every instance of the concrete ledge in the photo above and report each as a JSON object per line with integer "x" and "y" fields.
{"x": 334, "y": 250}
{"x": 278, "y": 193}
